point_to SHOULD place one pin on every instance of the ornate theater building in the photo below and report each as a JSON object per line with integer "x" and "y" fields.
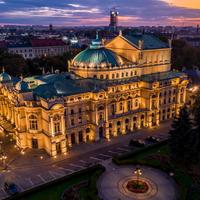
{"x": 109, "y": 90}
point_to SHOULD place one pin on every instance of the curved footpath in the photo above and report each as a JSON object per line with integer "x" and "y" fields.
{"x": 110, "y": 187}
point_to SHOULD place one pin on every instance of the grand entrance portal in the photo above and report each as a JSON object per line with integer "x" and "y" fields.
{"x": 101, "y": 132}
{"x": 34, "y": 143}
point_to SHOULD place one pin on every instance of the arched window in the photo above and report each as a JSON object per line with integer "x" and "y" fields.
{"x": 142, "y": 117}
{"x": 33, "y": 124}
{"x": 121, "y": 106}
{"x": 101, "y": 77}
{"x": 56, "y": 121}
{"x": 118, "y": 123}
{"x": 136, "y": 103}
{"x": 100, "y": 108}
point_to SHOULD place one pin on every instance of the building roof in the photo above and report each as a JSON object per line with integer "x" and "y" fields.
{"x": 46, "y": 42}
{"x": 4, "y": 77}
{"x": 3, "y": 44}
{"x": 162, "y": 76}
{"x": 96, "y": 54}
{"x": 58, "y": 85}
{"x": 194, "y": 75}
{"x": 22, "y": 86}
{"x": 97, "y": 57}
{"x": 150, "y": 41}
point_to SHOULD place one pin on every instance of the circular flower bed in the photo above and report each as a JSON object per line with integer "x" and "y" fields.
{"x": 137, "y": 186}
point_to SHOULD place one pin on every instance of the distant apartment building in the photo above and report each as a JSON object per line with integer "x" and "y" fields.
{"x": 36, "y": 48}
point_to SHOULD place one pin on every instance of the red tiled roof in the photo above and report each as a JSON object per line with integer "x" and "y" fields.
{"x": 46, "y": 42}
{"x": 3, "y": 44}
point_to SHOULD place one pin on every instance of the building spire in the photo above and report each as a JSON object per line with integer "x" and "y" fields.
{"x": 120, "y": 32}
{"x": 43, "y": 71}
{"x": 97, "y": 35}
{"x": 21, "y": 77}
{"x": 3, "y": 69}
{"x": 52, "y": 71}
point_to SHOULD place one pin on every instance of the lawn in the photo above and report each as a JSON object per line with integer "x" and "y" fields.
{"x": 158, "y": 156}
{"x": 53, "y": 191}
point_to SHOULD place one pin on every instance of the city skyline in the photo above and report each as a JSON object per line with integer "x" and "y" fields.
{"x": 96, "y": 13}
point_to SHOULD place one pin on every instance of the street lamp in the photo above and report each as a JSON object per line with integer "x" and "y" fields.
{"x": 138, "y": 173}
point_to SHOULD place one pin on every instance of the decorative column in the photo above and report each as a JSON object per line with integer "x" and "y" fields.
{"x": 69, "y": 140}
{"x": 114, "y": 129}
{"x": 63, "y": 124}
{"x": 12, "y": 115}
{"x": 84, "y": 137}
{"x": 107, "y": 134}
{"x": 97, "y": 134}
{"x": 77, "y": 138}
{"x": 18, "y": 120}
{"x": 51, "y": 127}
{"x": 123, "y": 127}
{"x": 131, "y": 124}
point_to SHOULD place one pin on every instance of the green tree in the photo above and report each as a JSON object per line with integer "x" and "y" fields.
{"x": 196, "y": 142}
{"x": 180, "y": 137}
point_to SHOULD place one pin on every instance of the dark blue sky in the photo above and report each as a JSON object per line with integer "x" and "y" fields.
{"x": 95, "y": 12}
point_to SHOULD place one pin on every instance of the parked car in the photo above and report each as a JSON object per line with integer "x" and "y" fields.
{"x": 152, "y": 139}
{"x": 11, "y": 188}
{"x": 137, "y": 143}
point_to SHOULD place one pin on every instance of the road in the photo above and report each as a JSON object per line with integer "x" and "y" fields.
{"x": 30, "y": 171}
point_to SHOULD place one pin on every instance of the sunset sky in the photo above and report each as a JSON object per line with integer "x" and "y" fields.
{"x": 96, "y": 12}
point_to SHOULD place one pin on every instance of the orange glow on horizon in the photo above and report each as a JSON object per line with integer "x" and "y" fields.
{"x": 195, "y": 4}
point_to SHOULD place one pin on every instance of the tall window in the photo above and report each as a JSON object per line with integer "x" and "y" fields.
{"x": 33, "y": 124}
{"x": 129, "y": 105}
{"x": 136, "y": 103}
{"x": 113, "y": 109}
{"x": 121, "y": 106}
{"x": 56, "y": 121}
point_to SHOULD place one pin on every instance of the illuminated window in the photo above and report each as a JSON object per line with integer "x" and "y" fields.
{"x": 57, "y": 120}
{"x": 121, "y": 106}
{"x": 33, "y": 124}
{"x": 80, "y": 120}
{"x": 136, "y": 103}
{"x": 72, "y": 122}
{"x": 129, "y": 105}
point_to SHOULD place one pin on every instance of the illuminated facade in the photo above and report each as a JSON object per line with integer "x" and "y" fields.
{"x": 110, "y": 90}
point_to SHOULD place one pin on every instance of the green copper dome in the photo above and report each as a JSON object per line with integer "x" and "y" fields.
{"x": 4, "y": 77}
{"x": 96, "y": 55}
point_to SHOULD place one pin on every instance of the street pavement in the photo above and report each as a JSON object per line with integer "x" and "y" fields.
{"x": 35, "y": 167}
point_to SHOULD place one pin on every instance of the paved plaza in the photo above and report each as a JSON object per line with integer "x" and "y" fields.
{"x": 29, "y": 170}
{"x": 112, "y": 184}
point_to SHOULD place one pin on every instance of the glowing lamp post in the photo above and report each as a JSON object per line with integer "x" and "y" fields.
{"x": 3, "y": 159}
{"x": 138, "y": 173}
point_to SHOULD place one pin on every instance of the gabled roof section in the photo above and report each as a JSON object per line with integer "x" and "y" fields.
{"x": 149, "y": 41}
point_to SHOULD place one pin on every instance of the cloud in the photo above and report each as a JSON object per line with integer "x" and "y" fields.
{"x": 46, "y": 12}
{"x": 96, "y": 12}
{"x": 77, "y": 5}
{"x": 2, "y": 2}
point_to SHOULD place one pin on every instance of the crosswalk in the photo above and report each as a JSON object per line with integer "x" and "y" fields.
{"x": 62, "y": 169}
